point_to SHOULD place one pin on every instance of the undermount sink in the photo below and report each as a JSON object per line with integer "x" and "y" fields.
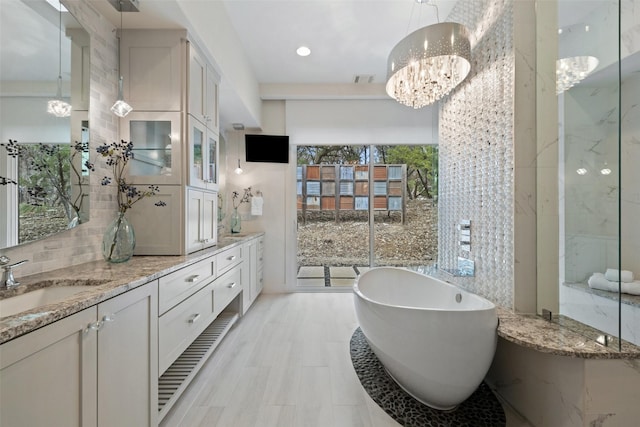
{"x": 38, "y": 298}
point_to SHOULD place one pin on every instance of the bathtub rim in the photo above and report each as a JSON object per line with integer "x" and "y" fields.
{"x": 489, "y": 305}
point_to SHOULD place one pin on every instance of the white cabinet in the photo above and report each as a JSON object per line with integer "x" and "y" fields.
{"x": 128, "y": 358}
{"x": 174, "y": 129}
{"x": 202, "y": 121}
{"x": 157, "y": 147}
{"x": 199, "y": 304}
{"x": 203, "y": 89}
{"x": 160, "y": 230}
{"x": 49, "y": 377}
{"x": 152, "y": 63}
{"x": 202, "y": 219}
{"x": 203, "y": 155}
{"x": 252, "y": 280}
{"x": 97, "y": 367}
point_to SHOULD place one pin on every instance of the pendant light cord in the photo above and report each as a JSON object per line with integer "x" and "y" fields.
{"x": 428, "y": 3}
{"x": 119, "y": 44}
{"x": 59, "y": 45}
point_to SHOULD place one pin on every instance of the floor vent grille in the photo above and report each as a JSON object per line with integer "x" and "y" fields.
{"x": 178, "y": 376}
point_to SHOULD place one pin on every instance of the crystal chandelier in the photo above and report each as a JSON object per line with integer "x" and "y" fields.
{"x": 428, "y": 63}
{"x": 58, "y": 107}
{"x": 570, "y": 71}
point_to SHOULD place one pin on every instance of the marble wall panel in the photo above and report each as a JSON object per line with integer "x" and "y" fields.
{"x": 545, "y": 388}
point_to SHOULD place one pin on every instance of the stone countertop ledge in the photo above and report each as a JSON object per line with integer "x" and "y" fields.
{"x": 103, "y": 281}
{"x": 562, "y": 336}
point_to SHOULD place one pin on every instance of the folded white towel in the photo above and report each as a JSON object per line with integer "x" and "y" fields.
{"x": 599, "y": 281}
{"x": 256, "y": 205}
{"x": 612, "y": 275}
{"x": 632, "y": 288}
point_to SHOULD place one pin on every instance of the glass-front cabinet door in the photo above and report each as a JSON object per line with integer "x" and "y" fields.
{"x": 203, "y": 156}
{"x": 212, "y": 160}
{"x": 156, "y": 147}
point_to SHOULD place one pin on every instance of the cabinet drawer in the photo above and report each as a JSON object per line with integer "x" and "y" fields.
{"x": 178, "y": 327}
{"x": 225, "y": 288}
{"x": 179, "y": 285}
{"x": 228, "y": 258}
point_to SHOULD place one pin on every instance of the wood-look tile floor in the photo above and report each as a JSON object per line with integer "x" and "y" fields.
{"x": 285, "y": 363}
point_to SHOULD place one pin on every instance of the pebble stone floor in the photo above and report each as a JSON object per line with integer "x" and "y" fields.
{"x": 482, "y": 408}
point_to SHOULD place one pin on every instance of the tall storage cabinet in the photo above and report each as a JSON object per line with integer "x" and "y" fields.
{"x": 174, "y": 128}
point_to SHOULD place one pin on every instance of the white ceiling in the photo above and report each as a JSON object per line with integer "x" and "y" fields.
{"x": 346, "y": 37}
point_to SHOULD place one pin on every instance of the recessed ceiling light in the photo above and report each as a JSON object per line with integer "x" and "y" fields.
{"x": 303, "y": 51}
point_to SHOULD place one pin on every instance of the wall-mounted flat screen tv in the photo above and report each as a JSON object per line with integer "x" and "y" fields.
{"x": 267, "y": 148}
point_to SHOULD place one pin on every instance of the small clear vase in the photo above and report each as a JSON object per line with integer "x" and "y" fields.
{"x": 235, "y": 221}
{"x": 119, "y": 240}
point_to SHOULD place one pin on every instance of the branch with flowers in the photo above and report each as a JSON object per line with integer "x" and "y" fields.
{"x": 246, "y": 197}
{"x": 117, "y": 155}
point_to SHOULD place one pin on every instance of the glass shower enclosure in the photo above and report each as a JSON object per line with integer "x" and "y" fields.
{"x": 596, "y": 64}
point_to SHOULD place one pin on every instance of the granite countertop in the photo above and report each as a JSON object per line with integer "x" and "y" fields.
{"x": 562, "y": 336}
{"x": 103, "y": 281}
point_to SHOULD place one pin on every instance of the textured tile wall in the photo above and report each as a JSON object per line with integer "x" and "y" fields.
{"x": 477, "y": 153}
{"x": 82, "y": 244}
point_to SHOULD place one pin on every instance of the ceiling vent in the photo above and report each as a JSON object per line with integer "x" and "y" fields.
{"x": 126, "y": 5}
{"x": 363, "y": 78}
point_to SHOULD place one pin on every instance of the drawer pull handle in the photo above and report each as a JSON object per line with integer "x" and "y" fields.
{"x": 231, "y": 285}
{"x": 193, "y": 278}
{"x": 109, "y": 318}
{"x": 231, "y": 258}
{"x": 194, "y": 318}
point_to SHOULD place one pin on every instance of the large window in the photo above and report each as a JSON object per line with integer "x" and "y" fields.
{"x": 364, "y": 206}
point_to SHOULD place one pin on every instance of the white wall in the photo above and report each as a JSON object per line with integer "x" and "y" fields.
{"x": 383, "y": 121}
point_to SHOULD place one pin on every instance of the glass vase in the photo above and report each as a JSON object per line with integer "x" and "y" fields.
{"x": 235, "y": 221}
{"x": 119, "y": 240}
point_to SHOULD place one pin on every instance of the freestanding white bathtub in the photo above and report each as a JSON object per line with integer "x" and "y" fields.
{"x": 436, "y": 340}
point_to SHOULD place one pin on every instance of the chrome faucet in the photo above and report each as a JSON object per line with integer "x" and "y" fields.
{"x": 8, "y": 281}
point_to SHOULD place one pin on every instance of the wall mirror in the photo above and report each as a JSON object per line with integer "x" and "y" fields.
{"x": 43, "y": 183}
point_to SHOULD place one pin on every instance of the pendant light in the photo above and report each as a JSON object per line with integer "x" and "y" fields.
{"x": 58, "y": 107}
{"x": 238, "y": 127}
{"x": 120, "y": 108}
{"x": 238, "y": 170}
{"x": 428, "y": 63}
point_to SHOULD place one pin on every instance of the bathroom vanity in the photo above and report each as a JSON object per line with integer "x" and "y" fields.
{"x": 121, "y": 348}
